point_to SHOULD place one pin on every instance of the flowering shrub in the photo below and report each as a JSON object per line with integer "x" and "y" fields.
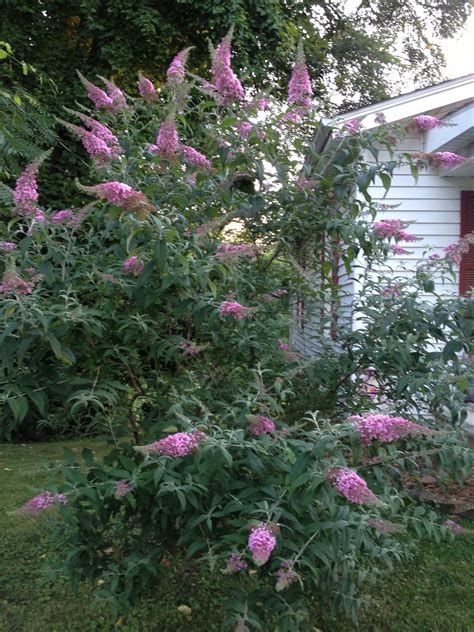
{"x": 138, "y": 314}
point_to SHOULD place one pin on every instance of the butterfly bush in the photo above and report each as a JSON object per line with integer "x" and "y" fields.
{"x": 7, "y": 246}
{"x": 146, "y": 89}
{"x": 195, "y": 470}
{"x": 425, "y": 122}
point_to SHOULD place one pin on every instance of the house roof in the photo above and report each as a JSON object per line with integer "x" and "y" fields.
{"x": 438, "y": 100}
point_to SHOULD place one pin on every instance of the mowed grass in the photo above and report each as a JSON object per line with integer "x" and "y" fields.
{"x": 434, "y": 593}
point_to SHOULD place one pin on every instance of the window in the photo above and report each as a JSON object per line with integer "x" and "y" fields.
{"x": 466, "y": 278}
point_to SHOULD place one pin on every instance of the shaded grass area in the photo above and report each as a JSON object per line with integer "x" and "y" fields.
{"x": 433, "y": 593}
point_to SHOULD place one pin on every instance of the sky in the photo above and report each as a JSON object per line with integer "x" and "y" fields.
{"x": 459, "y": 52}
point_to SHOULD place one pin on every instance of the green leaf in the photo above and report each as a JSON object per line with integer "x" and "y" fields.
{"x": 19, "y": 407}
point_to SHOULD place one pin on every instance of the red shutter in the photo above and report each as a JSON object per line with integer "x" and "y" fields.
{"x": 466, "y": 279}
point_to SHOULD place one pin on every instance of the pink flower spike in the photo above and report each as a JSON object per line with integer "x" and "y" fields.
{"x": 121, "y": 195}
{"x": 385, "y": 428}
{"x": 446, "y": 159}
{"x": 234, "y": 309}
{"x": 167, "y": 141}
{"x": 244, "y": 128}
{"x": 353, "y": 126}
{"x": 425, "y": 122}
{"x": 7, "y": 246}
{"x": 225, "y": 81}
{"x": 176, "y": 71}
{"x": 235, "y": 564}
{"x": 41, "y": 502}
{"x": 195, "y": 158}
{"x": 299, "y": 88}
{"x": 177, "y": 445}
{"x": 352, "y": 487}
{"x": 146, "y": 89}
{"x": 261, "y": 543}
{"x": 399, "y": 250}
{"x": 123, "y": 488}
{"x": 229, "y": 251}
{"x": 286, "y": 575}
{"x": 61, "y": 216}
{"x": 98, "y": 96}
{"x": 133, "y": 265}
{"x": 261, "y": 425}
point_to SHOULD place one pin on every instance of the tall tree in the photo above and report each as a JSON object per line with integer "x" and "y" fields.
{"x": 359, "y": 48}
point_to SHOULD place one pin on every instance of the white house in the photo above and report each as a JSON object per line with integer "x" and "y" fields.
{"x": 441, "y": 202}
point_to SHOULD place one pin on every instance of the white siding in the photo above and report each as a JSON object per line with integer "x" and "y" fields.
{"x": 432, "y": 203}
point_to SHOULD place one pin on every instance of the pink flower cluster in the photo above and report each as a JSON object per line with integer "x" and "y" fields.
{"x": 25, "y": 195}
{"x": 176, "y": 70}
{"x": 123, "y": 488}
{"x": 227, "y": 251}
{"x": 424, "y": 122}
{"x": 195, "y": 158}
{"x": 384, "y": 428}
{"x": 454, "y": 252}
{"x": 178, "y": 444}
{"x": 235, "y": 564}
{"x": 133, "y": 265}
{"x": 13, "y": 283}
{"x": 454, "y": 527}
{"x": 146, "y": 89}
{"x": 60, "y": 216}
{"x": 167, "y": 141}
{"x": 352, "y": 486}
{"x": 112, "y": 99}
{"x": 41, "y": 502}
{"x": 261, "y": 543}
{"x": 225, "y": 82}
{"x": 234, "y": 309}
{"x": 286, "y": 575}
{"x": 260, "y": 424}
{"x": 100, "y": 142}
{"x": 393, "y": 228}
{"x": 243, "y": 128}
{"x": 120, "y": 194}
{"x": 353, "y": 126}
{"x": 7, "y": 246}
{"x": 399, "y": 250}
{"x": 190, "y": 349}
{"x": 299, "y": 87}
{"x": 446, "y": 158}
{"x": 306, "y": 183}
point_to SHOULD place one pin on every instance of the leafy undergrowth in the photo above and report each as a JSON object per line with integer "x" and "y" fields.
{"x": 431, "y": 594}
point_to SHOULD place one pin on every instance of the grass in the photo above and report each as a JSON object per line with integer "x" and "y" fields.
{"x": 431, "y": 594}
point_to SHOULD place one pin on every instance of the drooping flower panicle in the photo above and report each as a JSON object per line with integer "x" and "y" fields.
{"x": 176, "y": 71}
{"x": 177, "y": 445}
{"x": 393, "y": 228}
{"x": 425, "y": 122}
{"x": 234, "y": 309}
{"x": 299, "y": 87}
{"x": 195, "y": 158}
{"x": 446, "y": 159}
{"x": 229, "y": 251}
{"x": 121, "y": 195}
{"x": 259, "y": 425}
{"x": 133, "y": 265}
{"x": 167, "y": 141}
{"x": 352, "y": 486}
{"x": 146, "y": 89}
{"x": 385, "y": 428}
{"x": 41, "y": 502}
{"x": 225, "y": 82}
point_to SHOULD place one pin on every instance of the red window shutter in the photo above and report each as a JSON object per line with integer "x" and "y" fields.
{"x": 466, "y": 277}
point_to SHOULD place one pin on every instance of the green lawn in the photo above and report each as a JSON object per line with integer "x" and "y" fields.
{"x": 435, "y": 593}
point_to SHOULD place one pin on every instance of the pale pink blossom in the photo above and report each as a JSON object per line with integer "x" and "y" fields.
{"x": 234, "y": 309}
{"x": 454, "y": 252}
{"x": 14, "y": 283}
{"x": 425, "y": 122}
{"x": 299, "y": 87}
{"x": 384, "y": 428}
{"x": 393, "y": 228}
{"x": 225, "y": 82}
{"x": 60, "y": 216}
{"x": 146, "y": 89}
{"x": 121, "y": 195}
{"x": 7, "y": 246}
{"x": 286, "y": 575}
{"x": 123, "y": 488}
{"x": 259, "y": 424}
{"x": 244, "y": 128}
{"x": 446, "y": 158}
{"x": 399, "y": 250}
{"x": 228, "y": 251}
{"x": 167, "y": 141}
{"x": 261, "y": 543}
{"x": 133, "y": 265}
{"x": 352, "y": 486}
{"x": 454, "y": 527}
{"x": 178, "y": 445}
{"x": 191, "y": 349}
{"x": 176, "y": 71}
{"x": 25, "y": 195}
{"x": 41, "y": 502}
{"x": 353, "y": 126}
{"x": 235, "y": 564}
{"x": 195, "y": 158}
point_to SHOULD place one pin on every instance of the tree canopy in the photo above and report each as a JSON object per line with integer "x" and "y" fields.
{"x": 358, "y": 48}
